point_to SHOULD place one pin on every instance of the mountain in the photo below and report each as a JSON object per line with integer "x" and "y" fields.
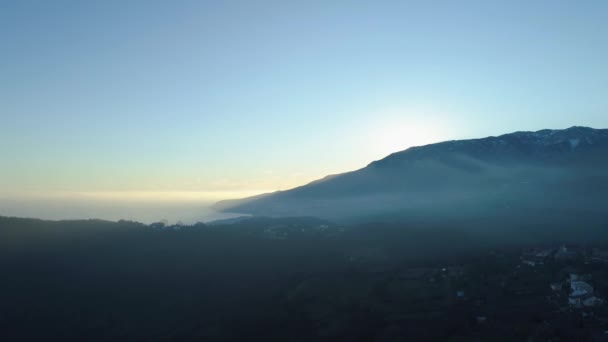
{"x": 541, "y": 171}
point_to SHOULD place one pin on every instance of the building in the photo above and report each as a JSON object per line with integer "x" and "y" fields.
{"x": 599, "y": 256}
{"x": 565, "y": 253}
{"x": 535, "y": 256}
{"x": 579, "y": 277}
{"x": 557, "y": 286}
{"x": 593, "y": 301}
{"x": 580, "y": 291}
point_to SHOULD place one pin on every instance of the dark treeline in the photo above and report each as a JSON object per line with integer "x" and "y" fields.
{"x": 257, "y": 278}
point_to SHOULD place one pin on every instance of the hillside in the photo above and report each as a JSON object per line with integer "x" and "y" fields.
{"x": 544, "y": 170}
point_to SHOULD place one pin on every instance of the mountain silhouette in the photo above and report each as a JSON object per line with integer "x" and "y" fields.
{"x": 543, "y": 171}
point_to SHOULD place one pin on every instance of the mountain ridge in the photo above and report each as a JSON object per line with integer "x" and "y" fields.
{"x": 519, "y": 166}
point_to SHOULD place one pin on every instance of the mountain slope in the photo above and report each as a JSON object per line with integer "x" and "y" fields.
{"x": 543, "y": 170}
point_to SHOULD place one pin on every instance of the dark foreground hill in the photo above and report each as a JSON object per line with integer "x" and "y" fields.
{"x": 548, "y": 170}
{"x": 294, "y": 279}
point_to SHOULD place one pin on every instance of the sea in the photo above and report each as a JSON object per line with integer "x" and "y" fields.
{"x": 145, "y": 211}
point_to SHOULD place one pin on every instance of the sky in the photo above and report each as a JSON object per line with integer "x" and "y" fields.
{"x": 176, "y": 100}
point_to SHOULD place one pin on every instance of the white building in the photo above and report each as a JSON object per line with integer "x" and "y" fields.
{"x": 581, "y": 291}
{"x": 557, "y": 286}
{"x": 593, "y": 301}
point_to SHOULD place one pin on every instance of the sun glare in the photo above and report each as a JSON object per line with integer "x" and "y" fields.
{"x": 400, "y": 130}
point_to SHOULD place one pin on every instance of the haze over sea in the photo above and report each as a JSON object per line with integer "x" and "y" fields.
{"x": 145, "y": 207}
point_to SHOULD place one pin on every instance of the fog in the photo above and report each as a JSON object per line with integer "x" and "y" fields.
{"x": 188, "y": 211}
{"x": 460, "y": 187}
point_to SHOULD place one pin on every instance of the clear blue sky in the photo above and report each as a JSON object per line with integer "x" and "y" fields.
{"x": 245, "y": 96}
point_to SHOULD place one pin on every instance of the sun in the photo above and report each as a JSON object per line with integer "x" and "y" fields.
{"x": 397, "y": 137}
{"x": 398, "y": 131}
